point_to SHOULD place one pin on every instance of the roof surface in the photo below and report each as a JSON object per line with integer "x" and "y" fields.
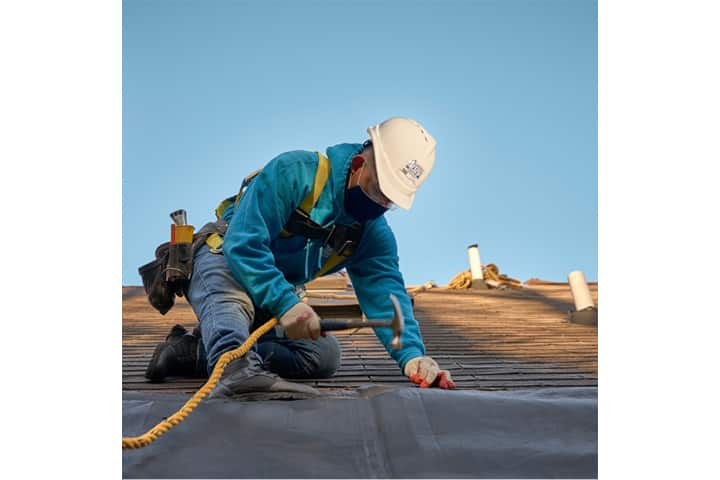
{"x": 488, "y": 339}
{"x": 370, "y": 421}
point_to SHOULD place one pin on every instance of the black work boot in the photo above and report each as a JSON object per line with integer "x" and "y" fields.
{"x": 245, "y": 379}
{"x": 176, "y": 356}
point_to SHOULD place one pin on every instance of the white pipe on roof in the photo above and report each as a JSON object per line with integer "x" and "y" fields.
{"x": 475, "y": 265}
{"x": 580, "y": 290}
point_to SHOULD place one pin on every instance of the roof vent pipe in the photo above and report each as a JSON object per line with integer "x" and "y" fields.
{"x": 585, "y": 311}
{"x": 580, "y": 290}
{"x": 476, "y": 267}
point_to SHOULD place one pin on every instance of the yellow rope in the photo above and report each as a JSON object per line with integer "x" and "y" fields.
{"x": 461, "y": 280}
{"x": 491, "y": 273}
{"x": 155, "y": 432}
{"x": 425, "y": 286}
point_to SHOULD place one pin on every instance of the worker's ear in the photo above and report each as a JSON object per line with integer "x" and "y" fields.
{"x": 356, "y": 163}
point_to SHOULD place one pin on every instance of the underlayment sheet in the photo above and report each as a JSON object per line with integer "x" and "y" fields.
{"x": 373, "y": 432}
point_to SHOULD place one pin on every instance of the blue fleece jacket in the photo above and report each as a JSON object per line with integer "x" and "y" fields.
{"x": 268, "y": 266}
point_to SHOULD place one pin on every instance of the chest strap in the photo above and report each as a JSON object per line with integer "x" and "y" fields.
{"x": 342, "y": 238}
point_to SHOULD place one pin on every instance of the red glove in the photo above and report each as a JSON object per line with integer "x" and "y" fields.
{"x": 425, "y": 372}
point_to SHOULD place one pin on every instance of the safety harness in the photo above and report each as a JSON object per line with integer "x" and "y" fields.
{"x": 343, "y": 239}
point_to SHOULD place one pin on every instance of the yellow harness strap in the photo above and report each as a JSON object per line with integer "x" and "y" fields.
{"x": 224, "y": 204}
{"x": 331, "y": 263}
{"x": 235, "y": 199}
{"x": 321, "y": 176}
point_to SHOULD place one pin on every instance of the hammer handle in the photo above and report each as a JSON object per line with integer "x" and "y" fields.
{"x": 346, "y": 324}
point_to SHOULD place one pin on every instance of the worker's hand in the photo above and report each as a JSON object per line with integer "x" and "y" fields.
{"x": 425, "y": 372}
{"x": 301, "y": 321}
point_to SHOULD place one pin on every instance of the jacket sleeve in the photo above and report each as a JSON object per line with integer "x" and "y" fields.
{"x": 263, "y": 210}
{"x": 375, "y": 273}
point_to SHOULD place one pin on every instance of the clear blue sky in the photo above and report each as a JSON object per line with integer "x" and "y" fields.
{"x": 214, "y": 90}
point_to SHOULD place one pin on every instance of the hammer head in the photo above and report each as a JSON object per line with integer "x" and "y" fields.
{"x": 398, "y": 323}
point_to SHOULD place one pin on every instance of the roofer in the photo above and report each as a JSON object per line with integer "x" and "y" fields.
{"x": 271, "y": 245}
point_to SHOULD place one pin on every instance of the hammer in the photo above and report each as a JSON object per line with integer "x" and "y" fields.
{"x": 397, "y": 323}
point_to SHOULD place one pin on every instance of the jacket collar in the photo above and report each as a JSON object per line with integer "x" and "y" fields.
{"x": 340, "y": 157}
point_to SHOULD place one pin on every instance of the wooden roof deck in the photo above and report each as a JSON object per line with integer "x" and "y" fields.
{"x": 488, "y": 339}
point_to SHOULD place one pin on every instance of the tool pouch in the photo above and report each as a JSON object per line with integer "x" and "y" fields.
{"x": 161, "y": 294}
{"x": 179, "y": 265}
{"x": 169, "y": 274}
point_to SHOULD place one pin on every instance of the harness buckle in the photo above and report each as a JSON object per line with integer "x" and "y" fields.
{"x": 345, "y": 246}
{"x": 337, "y": 238}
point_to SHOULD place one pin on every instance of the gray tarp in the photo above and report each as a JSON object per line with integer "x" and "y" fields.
{"x": 375, "y": 432}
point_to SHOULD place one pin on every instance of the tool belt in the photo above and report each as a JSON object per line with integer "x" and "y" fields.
{"x": 169, "y": 274}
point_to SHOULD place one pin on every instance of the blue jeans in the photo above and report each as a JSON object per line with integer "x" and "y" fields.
{"x": 227, "y": 315}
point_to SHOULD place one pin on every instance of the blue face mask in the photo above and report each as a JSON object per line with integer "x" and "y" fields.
{"x": 360, "y": 206}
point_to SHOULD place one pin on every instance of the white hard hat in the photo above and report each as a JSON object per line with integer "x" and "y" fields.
{"x": 404, "y": 156}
